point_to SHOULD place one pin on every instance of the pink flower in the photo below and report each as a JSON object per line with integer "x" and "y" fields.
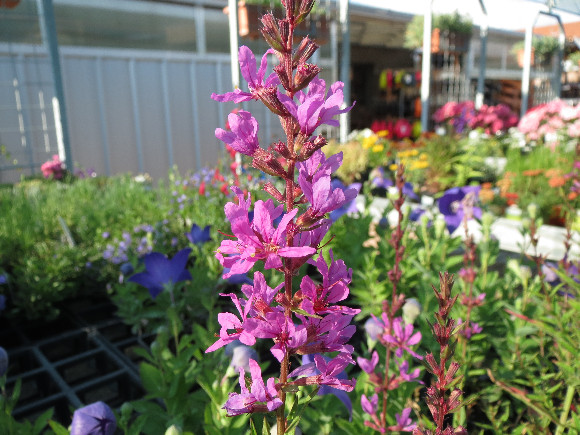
{"x": 229, "y": 321}
{"x": 243, "y": 136}
{"x": 328, "y": 372}
{"x": 260, "y": 397}
{"x": 258, "y": 240}
{"x": 253, "y": 75}
{"x": 316, "y": 106}
{"x": 368, "y": 365}
{"x": 402, "y": 338}
{"x": 404, "y": 422}
{"x": 370, "y": 406}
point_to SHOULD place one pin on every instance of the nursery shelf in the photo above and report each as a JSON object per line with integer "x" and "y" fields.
{"x": 83, "y": 357}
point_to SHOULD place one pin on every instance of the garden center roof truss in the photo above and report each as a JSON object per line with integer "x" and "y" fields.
{"x": 556, "y": 83}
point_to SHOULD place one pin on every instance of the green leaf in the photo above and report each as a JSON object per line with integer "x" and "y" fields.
{"x": 42, "y": 421}
{"x": 296, "y": 418}
{"x": 57, "y": 428}
{"x": 265, "y": 427}
{"x": 152, "y": 379}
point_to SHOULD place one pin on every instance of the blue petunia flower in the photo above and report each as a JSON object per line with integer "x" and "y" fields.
{"x": 160, "y": 271}
{"x": 455, "y": 202}
{"x": 197, "y": 236}
{"x": 94, "y": 419}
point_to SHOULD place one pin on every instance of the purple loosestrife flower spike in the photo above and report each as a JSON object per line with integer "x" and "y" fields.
{"x": 253, "y": 75}
{"x": 94, "y": 419}
{"x": 197, "y": 236}
{"x": 243, "y": 136}
{"x": 260, "y": 398}
{"x": 402, "y": 338}
{"x": 160, "y": 271}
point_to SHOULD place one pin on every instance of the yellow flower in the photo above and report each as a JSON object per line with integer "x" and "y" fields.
{"x": 383, "y": 133}
{"x": 378, "y": 148}
{"x": 393, "y": 167}
{"x": 414, "y": 153}
{"x": 419, "y": 164}
{"x": 423, "y": 156}
{"x": 368, "y": 142}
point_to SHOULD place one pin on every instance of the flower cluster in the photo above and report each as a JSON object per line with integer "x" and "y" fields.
{"x": 494, "y": 119}
{"x": 53, "y": 169}
{"x": 546, "y": 121}
{"x": 286, "y": 231}
{"x": 463, "y": 115}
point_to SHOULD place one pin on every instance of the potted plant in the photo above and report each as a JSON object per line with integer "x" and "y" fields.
{"x": 250, "y": 11}
{"x": 543, "y": 48}
{"x": 451, "y": 32}
{"x": 574, "y": 58}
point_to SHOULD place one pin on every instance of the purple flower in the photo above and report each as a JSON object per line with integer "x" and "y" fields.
{"x": 94, "y": 419}
{"x": 260, "y": 398}
{"x": 258, "y": 240}
{"x": 347, "y": 207}
{"x": 402, "y": 338}
{"x": 229, "y": 321}
{"x": 316, "y": 106}
{"x": 404, "y": 422}
{"x": 404, "y": 372}
{"x": 126, "y": 269}
{"x": 253, "y": 75}
{"x": 470, "y": 329}
{"x": 160, "y": 271}
{"x": 326, "y": 371}
{"x": 309, "y": 361}
{"x": 370, "y": 406}
{"x": 3, "y": 278}
{"x": 197, "y": 236}
{"x": 458, "y": 203}
{"x": 243, "y": 136}
{"x": 368, "y": 365}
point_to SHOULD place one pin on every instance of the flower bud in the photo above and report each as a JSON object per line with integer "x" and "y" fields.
{"x": 241, "y": 357}
{"x": 304, "y": 51}
{"x": 373, "y": 328}
{"x": 126, "y": 410}
{"x": 269, "y": 97}
{"x": 533, "y": 211}
{"x": 271, "y": 32}
{"x": 305, "y": 72}
{"x": 411, "y": 310}
{"x": 173, "y": 430}
{"x": 440, "y": 226}
{"x": 3, "y": 361}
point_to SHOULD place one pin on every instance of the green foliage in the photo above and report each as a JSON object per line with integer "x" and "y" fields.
{"x": 454, "y": 23}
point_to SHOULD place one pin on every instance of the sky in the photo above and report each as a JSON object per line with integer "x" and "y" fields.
{"x": 503, "y": 14}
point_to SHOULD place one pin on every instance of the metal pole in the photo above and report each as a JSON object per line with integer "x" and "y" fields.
{"x": 483, "y": 30}
{"x": 527, "y": 69}
{"x": 234, "y": 42}
{"x": 345, "y": 67}
{"x": 48, "y": 29}
{"x": 426, "y": 66}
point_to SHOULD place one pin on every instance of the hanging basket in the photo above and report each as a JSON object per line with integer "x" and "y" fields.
{"x": 10, "y": 4}
{"x": 446, "y": 41}
{"x": 314, "y": 26}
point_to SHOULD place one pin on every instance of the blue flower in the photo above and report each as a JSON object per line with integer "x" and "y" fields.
{"x": 94, "y": 419}
{"x": 197, "y": 236}
{"x": 160, "y": 271}
{"x": 457, "y": 203}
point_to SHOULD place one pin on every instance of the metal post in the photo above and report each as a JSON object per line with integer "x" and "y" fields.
{"x": 345, "y": 66}
{"x": 233, "y": 21}
{"x": 426, "y": 66}
{"x": 483, "y": 30}
{"x": 557, "y": 74}
{"x": 48, "y": 29}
